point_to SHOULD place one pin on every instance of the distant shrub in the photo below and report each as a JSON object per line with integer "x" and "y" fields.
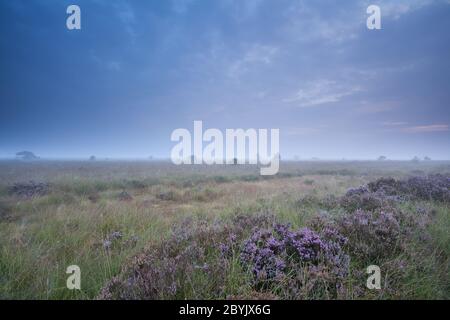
{"x": 5, "y": 212}
{"x": 30, "y": 189}
{"x": 124, "y": 196}
{"x": 26, "y": 155}
{"x": 167, "y": 196}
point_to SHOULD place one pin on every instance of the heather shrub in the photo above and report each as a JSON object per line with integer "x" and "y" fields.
{"x": 386, "y": 192}
{"x": 432, "y": 187}
{"x": 190, "y": 263}
{"x": 364, "y": 199}
{"x": 388, "y": 186}
{"x": 296, "y": 264}
{"x": 372, "y": 236}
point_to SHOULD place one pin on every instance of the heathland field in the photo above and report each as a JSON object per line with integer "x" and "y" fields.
{"x": 153, "y": 230}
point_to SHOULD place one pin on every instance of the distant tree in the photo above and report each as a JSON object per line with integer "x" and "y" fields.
{"x": 235, "y": 161}
{"x": 415, "y": 159}
{"x": 427, "y": 158}
{"x": 26, "y": 155}
{"x": 382, "y": 158}
{"x": 92, "y": 158}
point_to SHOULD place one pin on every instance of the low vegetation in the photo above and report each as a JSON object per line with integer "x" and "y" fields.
{"x": 308, "y": 233}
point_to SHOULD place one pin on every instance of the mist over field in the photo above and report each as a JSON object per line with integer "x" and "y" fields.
{"x": 224, "y": 150}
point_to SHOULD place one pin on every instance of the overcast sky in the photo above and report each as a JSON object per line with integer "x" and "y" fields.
{"x": 137, "y": 70}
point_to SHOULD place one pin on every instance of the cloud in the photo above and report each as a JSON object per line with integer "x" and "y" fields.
{"x": 306, "y": 23}
{"x": 322, "y": 92}
{"x": 181, "y": 6}
{"x": 427, "y": 128}
{"x": 396, "y": 9}
{"x": 242, "y": 10}
{"x": 127, "y": 17}
{"x": 256, "y": 55}
{"x": 378, "y": 106}
{"x": 111, "y": 65}
{"x": 393, "y": 123}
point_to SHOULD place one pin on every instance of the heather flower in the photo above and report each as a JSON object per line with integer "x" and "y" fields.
{"x": 279, "y": 253}
{"x": 169, "y": 270}
{"x": 111, "y": 239}
{"x": 371, "y": 235}
{"x": 362, "y": 198}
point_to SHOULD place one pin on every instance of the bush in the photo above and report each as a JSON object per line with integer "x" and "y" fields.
{"x": 297, "y": 258}
{"x": 30, "y": 189}
{"x": 432, "y": 187}
{"x": 372, "y": 236}
{"x": 189, "y": 264}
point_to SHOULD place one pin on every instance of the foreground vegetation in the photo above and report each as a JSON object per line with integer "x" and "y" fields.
{"x": 149, "y": 230}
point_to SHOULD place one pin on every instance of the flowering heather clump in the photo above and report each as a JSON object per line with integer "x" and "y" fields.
{"x": 433, "y": 187}
{"x": 156, "y": 274}
{"x": 388, "y": 186}
{"x": 371, "y": 235}
{"x": 361, "y": 198}
{"x": 357, "y": 191}
{"x": 365, "y": 199}
{"x": 173, "y": 268}
{"x": 112, "y": 238}
{"x": 385, "y": 192}
{"x": 164, "y": 271}
{"x": 263, "y": 252}
{"x": 295, "y": 256}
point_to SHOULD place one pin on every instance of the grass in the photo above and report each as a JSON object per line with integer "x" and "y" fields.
{"x": 42, "y": 236}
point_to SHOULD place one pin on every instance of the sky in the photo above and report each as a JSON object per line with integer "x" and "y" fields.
{"x": 137, "y": 70}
